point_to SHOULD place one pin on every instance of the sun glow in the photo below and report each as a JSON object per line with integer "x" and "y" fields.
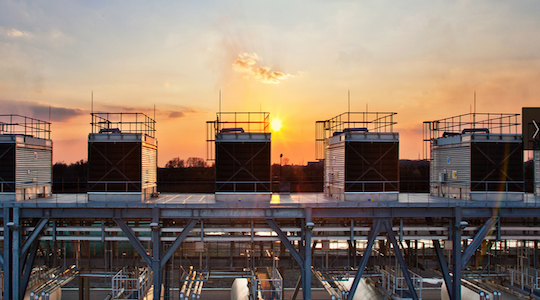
{"x": 275, "y": 124}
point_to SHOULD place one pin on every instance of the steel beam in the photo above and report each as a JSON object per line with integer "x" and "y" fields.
{"x": 177, "y": 242}
{"x": 156, "y": 267}
{"x": 456, "y": 254}
{"x": 37, "y": 231}
{"x": 27, "y": 266}
{"x": 134, "y": 240}
{"x": 477, "y": 240}
{"x": 7, "y": 267}
{"x": 283, "y": 238}
{"x": 444, "y": 268}
{"x": 297, "y": 288}
{"x": 363, "y": 261}
{"x": 156, "y": 249}
{"x": 15, "y": 271}
{"x": 306, "y": 292}
{"x": 401, "y": 260}
{"x": 443, "y": 264}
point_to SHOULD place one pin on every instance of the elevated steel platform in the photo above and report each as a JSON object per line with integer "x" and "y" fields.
{"x": 296, "y": 221}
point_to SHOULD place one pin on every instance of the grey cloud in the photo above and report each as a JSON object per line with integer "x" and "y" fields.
{"x": 176, "y": 114}
{"x": 172, "y": 113}
{"x": 40, "y": 110}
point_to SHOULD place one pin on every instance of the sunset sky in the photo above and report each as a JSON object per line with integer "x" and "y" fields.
{"x": 294, "y": 59}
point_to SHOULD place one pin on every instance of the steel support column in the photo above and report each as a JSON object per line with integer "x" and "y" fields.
{"x": 15, "y": 271}
{"x": 306, "y": 292}
{"x": 37, "y": 231}
{"x": 443, "y": 264}
{"x": 26, "y": 267}
{"x": 444, "y": 268}
{"x": 283, "y": 238}
{"x": 156, "y": 266}
{"x": 477, "y": 240}
{"x": 134, "y": 240}
{"x": 401, "y": 260}
{"x": 456, "y": 254}
{"x": 177, "y": 242}
{"x": 8, "y": 254}
{"x": 375, "y": 228}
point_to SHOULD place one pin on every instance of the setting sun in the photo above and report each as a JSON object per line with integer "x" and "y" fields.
{"x": 276, "y": 124}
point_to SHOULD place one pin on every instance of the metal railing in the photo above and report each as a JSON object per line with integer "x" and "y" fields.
{"x": 269, "y": 288}
{"x": 243, "y": 186}
{"x": 129, "y": 283}
{"x": 498, "y": 123}
{"x": 368, "y": 121}
{"x": 244, "y": 122}
{"x": 17, "y": 124}
{"x": 123, "y": 123}
{"x": 393, "y": 281}
{"x": 525, "y": 277}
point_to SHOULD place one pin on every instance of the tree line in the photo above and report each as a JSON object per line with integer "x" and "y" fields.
{"x": 196, "y": 175}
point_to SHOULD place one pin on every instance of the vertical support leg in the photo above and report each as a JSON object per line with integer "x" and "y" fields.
{"x": 363, "y": 261}
{"x": 16, "y": 254}
{"x": 27, "y": 266}
{"x": 86, "y": 288}
{"x": 156, "y": 264}
{"x": 456, "y": 254}
{"x": 401, "y": 260}
{"x": 81, "y": 288}
{"x": 7, "y": 254}
{"x": 307, "y": 256}
{"x": 444, "y": 268}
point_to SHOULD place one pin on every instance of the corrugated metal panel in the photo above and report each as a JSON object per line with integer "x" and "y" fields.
{"x": 454, "y": 161}
{"x": 33, "y": 167}
{"x": 537, "y": 172}
{"x": 334, "y": 166}
{"x": 149, "y": 166}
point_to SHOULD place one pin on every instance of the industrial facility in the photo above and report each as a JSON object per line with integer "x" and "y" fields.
{"x": 476, "y": 157}
{"x": 473, "y": 236}
{"x": 122, "y": 157}
{"x": 361, "y": 155}
{"x": 242, "y": 144}
{"x": 25, "y": 158}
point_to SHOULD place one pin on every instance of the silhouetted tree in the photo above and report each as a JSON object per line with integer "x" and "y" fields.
{"x": 175, "y": 163}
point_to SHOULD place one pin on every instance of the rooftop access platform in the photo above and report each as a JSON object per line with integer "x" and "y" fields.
{"x": 297, "y": 221}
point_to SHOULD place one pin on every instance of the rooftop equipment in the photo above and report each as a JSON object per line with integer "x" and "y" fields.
{"x": 476, "y": 156}
{"x": 25, "y": 158}
{"x": 240, "y": 144}
{"x": 122, "y": 157}
{"x": 361, "y": 154}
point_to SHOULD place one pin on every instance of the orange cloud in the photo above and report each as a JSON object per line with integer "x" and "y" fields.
{"x": 247, "y": 64}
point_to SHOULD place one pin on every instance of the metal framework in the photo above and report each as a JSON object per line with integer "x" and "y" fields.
{"x": 501, "y": 123}
{"x": 245, "y": 122}
{"x": 298, "y": 227}
{"x": 123, "y": 122}
{"x": 17, "y": 124}
{"x": 367, "y": 121}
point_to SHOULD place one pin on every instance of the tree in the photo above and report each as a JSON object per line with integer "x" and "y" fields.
{"x": 175, "y": 163}
{"x": 195, "y": 162}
